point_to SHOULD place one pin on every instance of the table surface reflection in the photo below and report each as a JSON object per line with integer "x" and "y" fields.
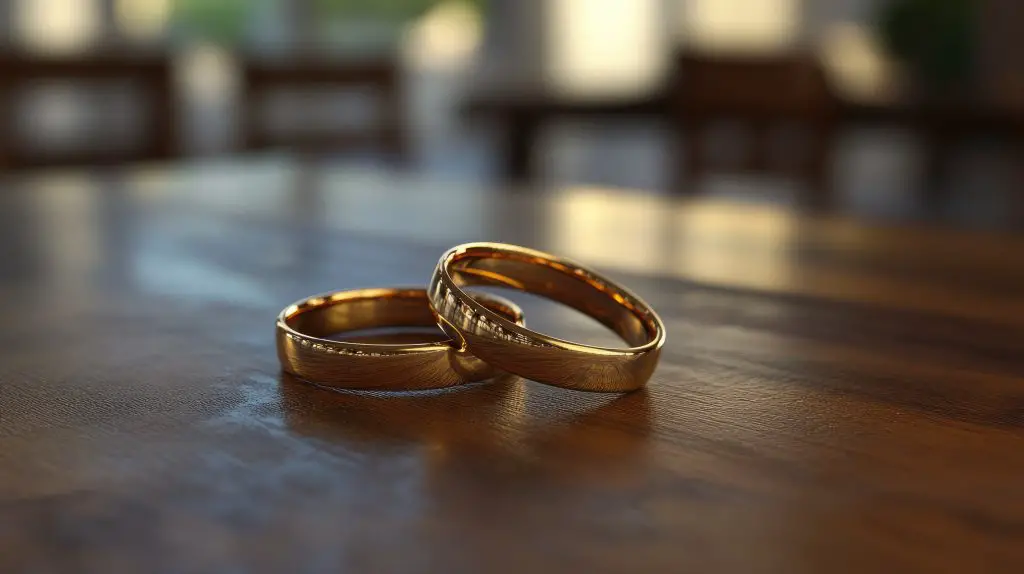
{"x": 832, "y": 397}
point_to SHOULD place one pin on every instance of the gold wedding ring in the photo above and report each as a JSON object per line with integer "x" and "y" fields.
{"x": 513, "y": 348}
{"x": 305, "y": 352}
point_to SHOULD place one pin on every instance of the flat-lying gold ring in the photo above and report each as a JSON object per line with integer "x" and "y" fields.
{"x": 305, "y": 353}
{"x": 520, "y": 351}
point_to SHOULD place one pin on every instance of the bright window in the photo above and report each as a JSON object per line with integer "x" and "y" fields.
{"x": 754, "y": 25}
{"x": 58, "y": 25}
{"x": 605, "y": 47}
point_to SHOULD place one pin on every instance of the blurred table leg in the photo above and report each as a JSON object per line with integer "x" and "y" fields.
{"x": 517, "y": 157}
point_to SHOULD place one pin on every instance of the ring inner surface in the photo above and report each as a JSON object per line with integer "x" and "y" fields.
{"x": 376, "y": 308}
{"x": 341, "y": 312}
{"x": 591, "y": 295}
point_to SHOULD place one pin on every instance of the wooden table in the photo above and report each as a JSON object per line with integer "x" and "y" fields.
{"x": 833, "y": 397}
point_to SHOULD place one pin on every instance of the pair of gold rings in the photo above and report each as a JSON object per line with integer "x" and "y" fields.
{"x": 488, "y": 335}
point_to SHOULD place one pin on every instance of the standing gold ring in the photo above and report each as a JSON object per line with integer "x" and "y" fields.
{"x": 521, "y": 351}
{"x": 305, "y": 352}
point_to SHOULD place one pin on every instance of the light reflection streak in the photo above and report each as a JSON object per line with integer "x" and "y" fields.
{"x": 715, "y": 242}
{"x": 69, "y": 230}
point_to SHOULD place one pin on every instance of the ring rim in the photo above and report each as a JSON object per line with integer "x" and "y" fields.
{"x": 329, "y": 298}
{"x": 333, "y": 363}
{"x": 444, "y": 280}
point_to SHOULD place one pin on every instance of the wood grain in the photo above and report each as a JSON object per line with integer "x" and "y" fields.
{"x": 796, "y": 424}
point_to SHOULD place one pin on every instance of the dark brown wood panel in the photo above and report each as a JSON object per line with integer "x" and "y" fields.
{"x": 151, "y": 74}
{"x": 833, "y": 397}
{"x": 264, "y": 76}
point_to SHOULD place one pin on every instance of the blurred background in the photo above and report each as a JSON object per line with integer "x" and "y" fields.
{"x": 884, "y": 109}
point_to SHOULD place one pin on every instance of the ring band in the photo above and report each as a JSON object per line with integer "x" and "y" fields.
{"x": 542, "y": 358}
{"x": 305, "y": 352}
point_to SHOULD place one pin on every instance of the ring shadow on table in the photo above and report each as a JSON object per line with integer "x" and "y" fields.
{"x": 506, "y": 422}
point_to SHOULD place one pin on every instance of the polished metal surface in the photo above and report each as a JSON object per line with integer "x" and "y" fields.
{"x": 533, "y": 355}
{"x": 305, "y": 352}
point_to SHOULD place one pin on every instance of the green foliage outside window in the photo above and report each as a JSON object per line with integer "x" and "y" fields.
{"x": 221, "y": 21}
{"x": 391, "y": 10}
{"x": 937, "y": 38}
{"x": 225, "y": 21}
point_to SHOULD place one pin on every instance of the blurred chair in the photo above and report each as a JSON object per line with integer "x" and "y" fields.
{"x": 761, "y": 93}
{"x": 151, "y": 75}
{"x": 379, "y": 77}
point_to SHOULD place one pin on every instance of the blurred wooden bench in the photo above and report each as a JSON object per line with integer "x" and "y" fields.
{"x": 380, "y": 77}
{"x": 761, "y": 93}
{"x": 152, "y": 74}
{"x": 521, "y": 114}
{"x": 757, "y": 93}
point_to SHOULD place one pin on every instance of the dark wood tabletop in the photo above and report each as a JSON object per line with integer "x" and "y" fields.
{"x": 833, "y": 397}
